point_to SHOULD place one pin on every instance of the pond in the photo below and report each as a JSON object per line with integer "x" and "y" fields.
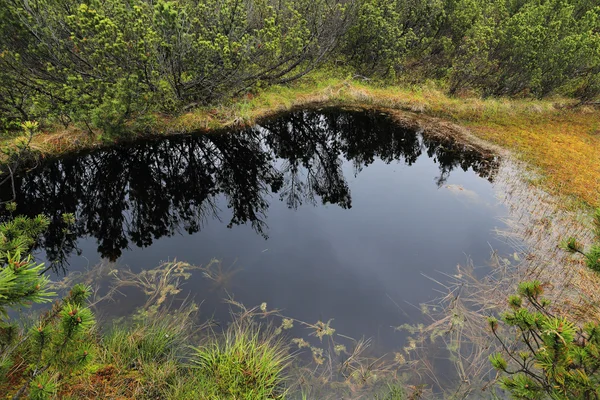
{"x": 324, "y": 214}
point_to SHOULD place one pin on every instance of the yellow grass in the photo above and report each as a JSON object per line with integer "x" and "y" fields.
{"x": 562, "y": 142}
{"x": 564, "y": 147}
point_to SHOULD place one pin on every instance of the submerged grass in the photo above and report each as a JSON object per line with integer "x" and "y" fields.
{"x": 160, "y": 351}
{"x": 455, "y": 323}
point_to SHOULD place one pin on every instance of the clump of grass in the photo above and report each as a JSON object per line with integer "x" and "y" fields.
{"x": 243, "y": 363}
{"x": 154, "y": 337}
{"x": 141, "y": 358}
{"x": 394, "y": 393}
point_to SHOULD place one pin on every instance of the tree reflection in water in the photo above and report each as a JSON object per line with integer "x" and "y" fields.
{"x": 134, "y": 194}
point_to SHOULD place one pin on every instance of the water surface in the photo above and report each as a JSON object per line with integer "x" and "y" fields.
{"x": 323, "y": 214}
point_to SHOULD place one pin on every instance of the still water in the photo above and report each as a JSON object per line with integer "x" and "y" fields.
{"x": 324, "y": 214}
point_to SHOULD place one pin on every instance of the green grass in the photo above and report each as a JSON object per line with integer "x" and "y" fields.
{"x": 243, "y": 363}
{"x": 157, "y": 341}
{"x": 150, "y": 357}
{"x": 391, "y": 393}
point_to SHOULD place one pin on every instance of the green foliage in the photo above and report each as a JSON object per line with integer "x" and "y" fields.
{"x": 498, "y": 362}
{"x": 393, "y": 393}
{"x": 530, "y": 289}
{"x": 59, "y": 342}
{"x": 592, "y": 258}
{"x": 13, "y": 154}
{"x": 20, "y": 280}
{"x": 551, "y": 43}
{"x": 554, "y": 358}
{"x": 150, "y": 339}
{"x": 102, "y": 63}
{"x": 21, "y": 283}
{"x": 43, "y": 387}
{"x": 572, "y": 245}
{"x": 499, "y": 48}
{"x": 377, "y": 40}
{"x": 515, "y": 301}
{"x": 20, "y": 233}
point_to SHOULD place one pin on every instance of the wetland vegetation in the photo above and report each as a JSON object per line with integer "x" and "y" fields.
{"x": 340, "y": 158}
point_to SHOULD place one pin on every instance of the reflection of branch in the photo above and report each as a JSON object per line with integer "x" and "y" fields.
{"x": 12, "y": 183}
{"x": 328, "y": 164}
{"x": 153, "y": 189}
{"x": 17, "y": 163}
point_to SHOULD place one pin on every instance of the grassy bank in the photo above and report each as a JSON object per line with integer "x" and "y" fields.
{"x": 558, "y": 139}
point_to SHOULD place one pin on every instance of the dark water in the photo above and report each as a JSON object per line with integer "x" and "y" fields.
{"x": 323, "y": 214}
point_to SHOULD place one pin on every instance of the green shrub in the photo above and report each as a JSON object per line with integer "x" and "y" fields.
{"x": 100, "y": 63}
{"x": 554, "y": 358}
